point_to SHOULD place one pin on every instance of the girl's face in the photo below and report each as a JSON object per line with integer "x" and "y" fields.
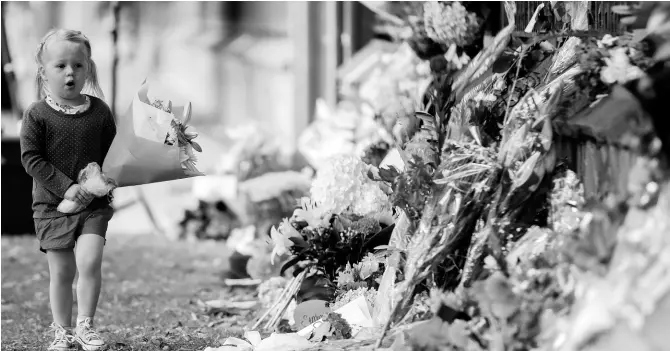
{"x": 65, "y": 69}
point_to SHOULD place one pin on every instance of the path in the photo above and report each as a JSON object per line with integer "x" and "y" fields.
{"x": 149, "y": 299}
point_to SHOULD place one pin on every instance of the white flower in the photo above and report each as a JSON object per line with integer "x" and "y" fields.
{"x": 186, "y": 153}
{"x": 281, "y": 239}
{"x": 368, "y": 266}
{"x": 281, "y": 244}
{"x": 618, "y": 68}
{"x": 190, "y": 132}
{"x": 336, "y": 185}
{"x": 372, "y": 202}
{"x": 311, "y": 213}
{"x": 465, "y": 59}
{"x": 607, "y": 41}
{"x": 288, "y": 230}
{"x": 342, "y": 185}
{"x": 483, "y": 97}
{"x": 499, "y": 85}
{"x": 345, "y": 278}
{"x": 452, "y": 56}
{"x": 450, "y": 23}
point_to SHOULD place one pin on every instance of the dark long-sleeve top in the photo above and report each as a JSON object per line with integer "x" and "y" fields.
{"x": 56, "y": 146}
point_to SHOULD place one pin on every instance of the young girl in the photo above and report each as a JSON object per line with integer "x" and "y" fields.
{"x": 63, "y": 132}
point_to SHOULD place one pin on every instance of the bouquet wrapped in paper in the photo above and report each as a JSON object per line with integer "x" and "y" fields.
{"x": 152, "y": 143}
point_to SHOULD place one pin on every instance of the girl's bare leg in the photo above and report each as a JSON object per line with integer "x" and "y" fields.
{"x": 89, "y": 263}
{"x": 62, "y": 269}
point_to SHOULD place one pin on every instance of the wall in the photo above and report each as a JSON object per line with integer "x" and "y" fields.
{"x": 183, "y": 48}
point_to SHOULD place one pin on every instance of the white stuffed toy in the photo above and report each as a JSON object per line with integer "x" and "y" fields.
{"x": 92, "y": 180}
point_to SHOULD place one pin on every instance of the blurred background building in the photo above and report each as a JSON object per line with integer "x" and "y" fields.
{"x": 235, "y": 61}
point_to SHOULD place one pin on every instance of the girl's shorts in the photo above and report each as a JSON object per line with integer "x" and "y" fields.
{"x": 62, "y": 232}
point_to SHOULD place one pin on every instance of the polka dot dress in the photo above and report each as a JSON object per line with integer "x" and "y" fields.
{"x": 56, "y": 145}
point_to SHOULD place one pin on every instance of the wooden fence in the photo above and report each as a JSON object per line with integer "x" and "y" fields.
{"x": 601, "y": 165}
{"x": 601, "y": 16}
{"x": 602, "y": 168}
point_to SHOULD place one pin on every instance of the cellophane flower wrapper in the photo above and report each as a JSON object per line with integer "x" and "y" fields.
{"x": 147, "y": 148}
{"x": 636, "y": 284}
{"x": 92, "y": 180}
{"x": 348, "y": 296}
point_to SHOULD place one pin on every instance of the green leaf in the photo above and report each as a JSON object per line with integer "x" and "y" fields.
{"x": 424, "y": 116}
{"x": 196, "y": 146}
{"x": 371, "y": 175}
{"x": 503, "y": 64}
{"x": 484, "y": 60}
{"x": 290, "y": 263}
{"x": 383, "y": 247}
{"x": 388, "y": 174}
{"x": 300, "y": 242}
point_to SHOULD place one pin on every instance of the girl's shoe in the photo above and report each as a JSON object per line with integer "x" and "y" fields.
{"x": 63, "y": 340}
{"x": 87, "y": 337}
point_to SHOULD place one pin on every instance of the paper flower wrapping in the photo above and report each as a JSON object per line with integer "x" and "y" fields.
{"x": 154, "y": 143}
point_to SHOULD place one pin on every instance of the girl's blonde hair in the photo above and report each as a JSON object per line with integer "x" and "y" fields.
{"x": 91, "y": 86}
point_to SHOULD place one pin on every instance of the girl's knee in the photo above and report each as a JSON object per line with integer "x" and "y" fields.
{"x": 90, "y": 266}
{"x": 89, "y": 254}
{"x": 63, "y": 275}
{"x": 62, "y": 266}
{"x": 63, "y": 272}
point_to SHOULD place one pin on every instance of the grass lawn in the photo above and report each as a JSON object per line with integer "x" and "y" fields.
{"x": 149, "y": 301}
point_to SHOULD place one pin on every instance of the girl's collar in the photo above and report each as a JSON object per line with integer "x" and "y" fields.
{"x": 67, "y": 109}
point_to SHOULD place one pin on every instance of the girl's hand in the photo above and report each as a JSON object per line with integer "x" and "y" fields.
{"x": 68, "y": 206}
{"x": 78, "y": 194}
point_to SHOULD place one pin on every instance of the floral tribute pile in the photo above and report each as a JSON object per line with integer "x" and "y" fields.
{"x": 335, "y": 231}
{"x": 483, "y": 237}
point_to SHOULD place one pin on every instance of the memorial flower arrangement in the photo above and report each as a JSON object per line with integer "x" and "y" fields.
{"x": 336, "y": 225}
{"x": 449, "y": 23}
{"x": 154, "y": 143}
{"x": 488, "y": 218}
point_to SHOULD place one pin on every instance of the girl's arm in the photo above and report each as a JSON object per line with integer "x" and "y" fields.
{"x": 108, "y": 134}
{"x": 32, "y": 149}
